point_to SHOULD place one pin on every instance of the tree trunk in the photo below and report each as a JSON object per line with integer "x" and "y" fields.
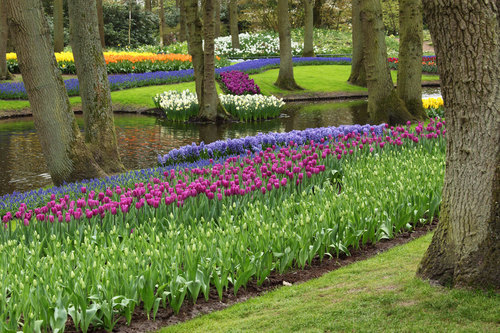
{"x": 217, "y": 18}
{"x": 318, "y": 4}
{"x": 195, "y": 44}
{"x": 182, "y": 21}
{"x": 68, "y": 158}
{"x": 4, "y": 35}
{"x": 94, "y": 85}
{"x": 308, "y": 28}
{"x": 285, "y": 79}
{"x": 161, "y": 13}
{"x": 410, "y": 56}
{"x": 358, "y": 72}
{"x": 233, "y": 24}
{"x": 100, "y": 20}
{"x": 58, "y": 26}
{"x": 384, "y": 105}
{"x": 147, "y": 5}
{"x": 465, "y": 249}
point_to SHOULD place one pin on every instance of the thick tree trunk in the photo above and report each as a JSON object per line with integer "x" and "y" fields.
{"x": 161, "y": 13}
{"x": 147, "y": 6}
{"x": 308, "y": 28}
{"x": 182, "y": 21}
{"x": 410, "y": 56}
{"x": 217, "y": 18}
{"x": 358, "y": 72}
{"x": 384, "y": 105}
{"x": 195, "y": 44}
{"x": 58, "y": 26}
{"x": 233, "y": 24}
{"x": 94, "y": 85}
{"x": 465, "y": 249}
{"x": 67, "y": 156}
{"x": 4, "y": 35}
{"x": 100, "y": 21}
{"x": 318, "y": 4}
{"x": 285, "y": 77}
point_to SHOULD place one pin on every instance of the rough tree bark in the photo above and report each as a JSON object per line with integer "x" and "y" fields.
{"x": 384, "y": 105}
{"x": 358, "y": 72}
{"x": 182, "y": 21}
{"x": 90, "y": 65}
{"x": 67, "y": 156}
{"x": 100, "y": 21}
{"x": 411, "y": 38}
{"x": 318, "y": 4}
{"x": 233, "y": 24}
{"x": 465, "y": 249}
{"x": 147, "y": 5}
{"x": 195, "y": 44}
{"x": 308, "y": 28}
{"x": 58, "y": 26}
{"x": 217, "y": 18}
{"x": 161, "y": 13}
{"x": 285, "y": 79}
{"x": 4, "y": 35}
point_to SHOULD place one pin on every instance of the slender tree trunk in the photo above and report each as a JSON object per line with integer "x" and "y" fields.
{"x": 182, "y": 21}
{"x": 233, "y": 24}
{"x": 4, "y": 35}
{"x": 285, "y": 77}
{"x": 195, "y": 44}
{"x": 161, "y": 13}
{"x": 465, "y": 249}
{"x": 147, "y": 5}
{"x": 318, "y": 4}
{"x": 217, "y": 18}
{"x": 308, "y": 28}
{"x": 68, "y": 158}
{"x": 58, "y": 26}
{"x": 358, "y": 72}
{"x": 94, "y": 85}
{"x": 410, "y": 56}
{"x": 384, "y": 105}
{"x": 100, "y": 20}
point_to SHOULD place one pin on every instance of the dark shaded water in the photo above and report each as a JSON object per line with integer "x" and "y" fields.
{"x": 142, "y": 138}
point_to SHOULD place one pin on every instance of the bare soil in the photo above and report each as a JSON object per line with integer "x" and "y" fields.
{"x": 166, "y": 317}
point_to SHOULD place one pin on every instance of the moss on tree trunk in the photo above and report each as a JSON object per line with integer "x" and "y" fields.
{"x": 465, "y": 249}
{"x": 58, "y": 26}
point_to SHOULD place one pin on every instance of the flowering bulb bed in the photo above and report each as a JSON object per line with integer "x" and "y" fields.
{"x": 16, "y": 90}
{"x": 181, "y": 106}
{"x": 95, "y": 254}
{"x": 428, "y": 64}
{"x": 238, "y": 83}
{"x": 434, "y": 107}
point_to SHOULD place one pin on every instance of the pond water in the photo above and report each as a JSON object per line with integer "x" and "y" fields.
{"x": 141, "y": 138}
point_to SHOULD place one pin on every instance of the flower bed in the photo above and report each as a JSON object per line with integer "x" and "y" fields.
{"x": 95, "y": 254}
{"x": 428, "y": 64}
{"x": 238, "y": 83}
{"x": 181, "y": 106}
{"x": 434, "y": 107}
{"x": 16, "y": 90}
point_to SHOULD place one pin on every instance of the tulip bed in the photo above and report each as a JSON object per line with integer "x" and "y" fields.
{"x": 182, "y": 106}
{"x": 428, "y": 64}
{"x": 96, "y": 250}
{"x": 238, "y": 83}
{"x": 434, "y": 107}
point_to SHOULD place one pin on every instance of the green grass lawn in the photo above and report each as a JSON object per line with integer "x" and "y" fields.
{"x": 326, "y": 78}
{"x": 380, "y": 294}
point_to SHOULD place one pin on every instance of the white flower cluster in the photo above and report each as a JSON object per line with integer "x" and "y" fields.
{"x": 251, "y": 102}
{"x": 176, "y": 101}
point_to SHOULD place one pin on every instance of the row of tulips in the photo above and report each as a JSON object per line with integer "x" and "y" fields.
{"x": 179, "y": 235}
{"x": 434, "y": 106}
{"x": 182, "y": 106}
{"x": 238, "y": 83}
{"x": 428, "y": 64}
{"x": 123, "y": 62}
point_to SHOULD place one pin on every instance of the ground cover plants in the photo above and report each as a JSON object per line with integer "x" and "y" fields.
{"x": 160, "y": 237}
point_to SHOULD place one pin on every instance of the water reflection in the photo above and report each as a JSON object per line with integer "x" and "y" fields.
{"x": 142, "y": 138}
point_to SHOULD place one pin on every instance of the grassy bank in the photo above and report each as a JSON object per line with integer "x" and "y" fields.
{"x": 326, "y": 78}
{"x": 377, "y": 295}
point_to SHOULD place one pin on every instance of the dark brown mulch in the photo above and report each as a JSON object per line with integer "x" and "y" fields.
{"x": 166, "y": 317}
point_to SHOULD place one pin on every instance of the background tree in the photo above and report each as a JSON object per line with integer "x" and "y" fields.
{"x": 285, "y": 76}
{"x": 58, "y": 26}
{"x": 67, "y": 156}
{"x": 465, "y": 249}
{"x": 217, "y": 18}
{"x": 4, "y": 35}
{"x": 90, "y": 65}
{"x": 233, "y": 24}
{"x": 147, "y": 6}
{"x": 358, "y": 72}
{"x": 384, "y": 105}
{"x": 318, "y": 5}
{"x": 182, "y": 20}
{"x": 308, "y": 28}
{"x": 410, "y": 56}
{"x": 100, "y": 21}
{"x": 163, "y": 27}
